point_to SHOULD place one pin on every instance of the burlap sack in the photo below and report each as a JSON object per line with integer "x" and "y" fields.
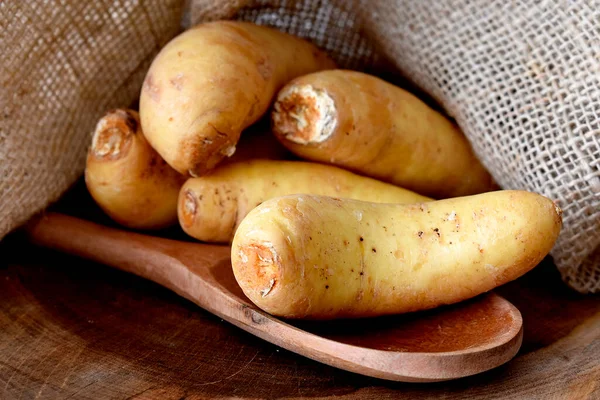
{"x": 521, "y": 78}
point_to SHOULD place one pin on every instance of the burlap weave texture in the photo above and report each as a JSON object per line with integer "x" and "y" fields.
{"x": 521, "y": 78}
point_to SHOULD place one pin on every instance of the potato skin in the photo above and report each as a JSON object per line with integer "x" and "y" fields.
{"x": 128, "y": 179}
{"x": 316, "y": 257}
{"x": 212, "y": 81}
{"x": 377, "y": 129}
{"x": 211, "y": 207}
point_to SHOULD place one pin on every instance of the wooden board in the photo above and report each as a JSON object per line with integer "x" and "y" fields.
{"x": 86, "y": 331}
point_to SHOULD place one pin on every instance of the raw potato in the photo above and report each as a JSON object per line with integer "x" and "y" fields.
{"x": 317, "y": 257}
{"x": 212, "y": 81}
{"x": 362, "y": 123}
{"x": 211, "y": 207}
{"x": 127, "y": 178}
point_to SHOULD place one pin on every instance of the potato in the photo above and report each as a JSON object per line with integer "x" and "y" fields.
{"x": 314, "y": 257}
{"x": 211, "y": 207}
{"x": 127, "y": 178}
{"x": 212, "y": 81}
{"x": 362, "y": 123}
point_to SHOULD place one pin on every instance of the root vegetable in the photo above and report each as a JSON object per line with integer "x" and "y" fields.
{"x": 315, "y": 257}
{"x": 362, "y": 123}
{"x": 212, "y": 81}
{"x": 127, "y": 178}
{"x": 211, "y": 207}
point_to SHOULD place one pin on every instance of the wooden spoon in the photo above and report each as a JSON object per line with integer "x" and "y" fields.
{"x": 445, "y": 343}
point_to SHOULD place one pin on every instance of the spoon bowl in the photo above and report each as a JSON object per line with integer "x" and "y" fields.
{"x": 445, "y": 343}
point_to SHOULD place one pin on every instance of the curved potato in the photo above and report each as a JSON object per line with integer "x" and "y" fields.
{"x": 317, "y": 257}
{"x": 211, "y": 207}
{"x": 212, "y": 81}
{"x": 127, "y": 178}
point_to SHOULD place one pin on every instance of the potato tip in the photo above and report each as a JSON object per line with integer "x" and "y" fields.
{"x": 112, "y": 134}
{"x": 189, "y": 208}
{"x": 304, "y": 114}
{"x": 262, "y": 266}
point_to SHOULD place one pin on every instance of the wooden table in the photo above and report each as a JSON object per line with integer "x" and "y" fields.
{"x": 86, "y": 331}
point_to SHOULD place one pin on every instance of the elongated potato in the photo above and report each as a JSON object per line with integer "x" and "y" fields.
{"x": 212, "y": 81}
{"x": 362, "y": 123}
{"x": 211, "y": 207}
{"x": 318, "y": 257}
{"x": 127, "y": 178}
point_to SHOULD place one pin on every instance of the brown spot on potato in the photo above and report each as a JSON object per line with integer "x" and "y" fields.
{"x": 203, "y": 152}
{"x": 188, "y": 208}
{"x": 361, "y": 239}
{"x": 374, "y": 250}
{"x": 151, "y": 88}
{"x": 177, "y": 81}
{"x": 359, "y": 295}
{"x": 265, "y": 69}
{"x": 420, "y": 234}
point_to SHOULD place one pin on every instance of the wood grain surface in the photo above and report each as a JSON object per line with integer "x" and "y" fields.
{"x": 70, "y": 328}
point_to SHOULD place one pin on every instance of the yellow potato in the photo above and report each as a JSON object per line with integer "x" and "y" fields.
{"x": 212, "y": 81}
{"x": 367, "y": 125}
{"x": 211, "y": 207}
{"x": 127, "y": 178}
{"x": 316, "y": 257}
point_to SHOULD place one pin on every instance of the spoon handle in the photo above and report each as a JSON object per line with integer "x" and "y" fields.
{"x": 125, "y": 250}
{"x": 202, "y": 274}
{"x": 188, "y": 269}
{"x": 160, "y": 260}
